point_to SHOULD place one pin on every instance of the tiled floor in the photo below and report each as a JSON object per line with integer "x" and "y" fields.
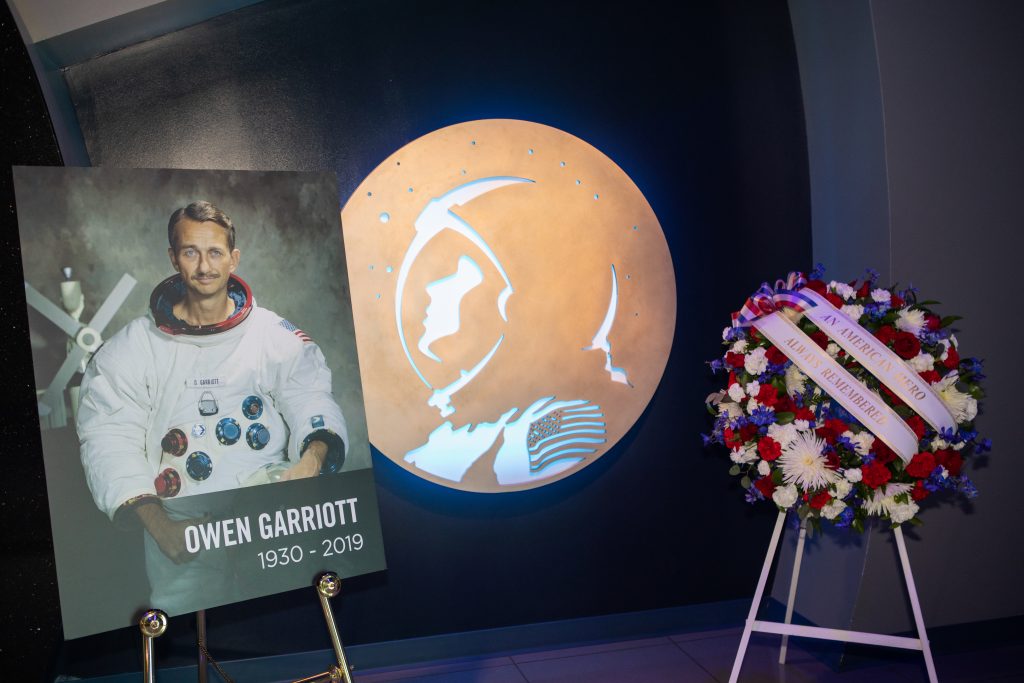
{"x": 707, "y": 657}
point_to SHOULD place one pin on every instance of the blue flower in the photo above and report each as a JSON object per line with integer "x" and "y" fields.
{"x": 967, "y": 487}
{"x": 872, "y": 275}
{"x": 984, "y": 445}
{"x": 717, "y": 365}
{"x": 753, "y": 495}
{"x": 762, "y": 416}
{"x": 844, "y": 519}
{"x": 816, "y": 272}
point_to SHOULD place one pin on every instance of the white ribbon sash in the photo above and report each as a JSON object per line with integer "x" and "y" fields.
{"x": 880, "y": 361}
{"x": 867, "y": 406}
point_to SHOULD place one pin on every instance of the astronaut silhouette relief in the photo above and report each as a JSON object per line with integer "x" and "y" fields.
{"x": 494, "y": 267}
{"x": 550, "y": 436}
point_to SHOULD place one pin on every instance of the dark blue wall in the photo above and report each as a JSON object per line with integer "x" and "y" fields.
{"x": 700, "y": 106}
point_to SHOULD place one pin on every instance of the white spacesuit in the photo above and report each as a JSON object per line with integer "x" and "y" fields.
{"x": 171, "y": 411}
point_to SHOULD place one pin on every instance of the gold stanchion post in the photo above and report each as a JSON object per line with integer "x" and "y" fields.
{"x": 152, "y": 624}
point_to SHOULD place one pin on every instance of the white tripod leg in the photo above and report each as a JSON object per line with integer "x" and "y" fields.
{"x": 758, "y": 594}
{"x": 915, "y": 605}
{"x": 792, "y": 587}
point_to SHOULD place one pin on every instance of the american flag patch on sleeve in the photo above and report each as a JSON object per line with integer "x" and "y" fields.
{"x": 294, "y": 330}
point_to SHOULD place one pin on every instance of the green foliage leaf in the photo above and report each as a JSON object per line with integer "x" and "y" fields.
{"x": 745, "y": 482}
{"x": 785, "y": 417}
{"x": 949, "y": 320}
{"x": 734, "y": 470}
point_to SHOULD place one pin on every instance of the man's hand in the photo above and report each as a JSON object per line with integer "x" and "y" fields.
{"x": 309, "y": 464}
{"x": 168, "y": 533}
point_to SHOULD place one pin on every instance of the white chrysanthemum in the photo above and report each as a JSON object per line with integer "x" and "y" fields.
{"x": 784, "y": 435}
{"x": 736, "y": 392}
{"x": 752, "y": 405}
{"x": 801, "y": 425}
{"x": 938, "y": 443}
{"x": 882, "y": 296}
{"x": 833, "y": 509}
{"x": 842, "y": 289}
{"x": 853, "y": 474}
{"x": 763, "y": 468}
{"x": 755, "y": 361}
{"x": 803, "y": 463}
{"x": 842, "y": 488}
{"x": 945, "y": 349}
{"x": 785, "y": 496}
{"x": 832, "y": 349}
{"x": 753, "y": 388}
{"x": 726, "y": 331}
{"x": 903, "y": 512}
{"x": 922, "y": 362}
{"x": 963, "y": 406}
{"x": 884, "y": 498}
{"x": 730, "y": 409}
{"x": 853, "y": 311}
{"x": 741, "y": 456}
{"x": 862, "y": 442}
{"x": 910, "y": 320}
{"x": 740, "y": 346}
{"x": 795, "y": 380}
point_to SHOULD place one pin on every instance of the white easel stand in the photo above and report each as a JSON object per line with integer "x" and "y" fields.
{"x": 787, "y": 629}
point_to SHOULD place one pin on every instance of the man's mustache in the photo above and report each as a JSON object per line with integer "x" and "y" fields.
{"x": 197, "y": 276}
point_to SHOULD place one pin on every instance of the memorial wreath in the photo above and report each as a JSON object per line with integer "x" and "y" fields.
{"x": 845, "y": 400}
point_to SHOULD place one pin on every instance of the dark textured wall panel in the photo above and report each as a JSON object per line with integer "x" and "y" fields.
{"x": 702, "y": 110}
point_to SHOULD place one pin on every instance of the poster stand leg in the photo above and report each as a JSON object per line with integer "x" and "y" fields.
{"x": 327, "y": 587}
{"x": 788, "y": 629}
{"x": 152, "y": 624}
{"x": 201, "y": 645}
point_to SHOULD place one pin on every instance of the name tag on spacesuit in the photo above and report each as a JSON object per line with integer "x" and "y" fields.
{"x": 205, "y": 382}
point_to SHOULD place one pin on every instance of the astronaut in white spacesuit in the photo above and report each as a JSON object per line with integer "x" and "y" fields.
{"x": 208, "y": 393}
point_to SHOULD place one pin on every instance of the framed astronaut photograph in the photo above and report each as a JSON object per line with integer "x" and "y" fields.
{"x": 200, "y": 405}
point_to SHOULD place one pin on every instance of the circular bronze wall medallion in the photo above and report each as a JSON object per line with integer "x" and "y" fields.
{"x": 514, "y": 304}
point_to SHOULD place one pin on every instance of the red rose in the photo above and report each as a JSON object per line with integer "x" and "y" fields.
{"x": 731, "y": 438}
{"x": 874, "y": 474}
{"x": 864, "y": 291}
{"x": 834, "y": 299}
{"x": 775, "y": 356}
{"x": 755, "y": 336}
{"x": 765, "y": 486}
{"x": 785, "y": 405}
{"x": 917, "y": 424}
{"x": 734, "y": 359}
{"x": 820, "y": 338}
{"x": 804, "y": 413}
{"x": 896, "y": 301}
{"x": 836, "y": 425}
{"x": 930, "y": 376}
{"x": 951, "y": 460}
{"x": 748, "y": 432}
{"x": 832, "y": 459}
{"x": 827, "y": 433}
{"x": 769, "y": 448}
{"x": 952, "y": 359}
{"x": 921, "y": 465}
{"x": 919, "y": 492}
{"x": 932, "y": 321}
{"x": 906, "y": 345}
{"x": 885, "y": 334}
{"x": 820, "y": 500}
{"x": 883, "y": 454}
{"x": 818, "y": 286}
{"x": 768, "y": 395}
